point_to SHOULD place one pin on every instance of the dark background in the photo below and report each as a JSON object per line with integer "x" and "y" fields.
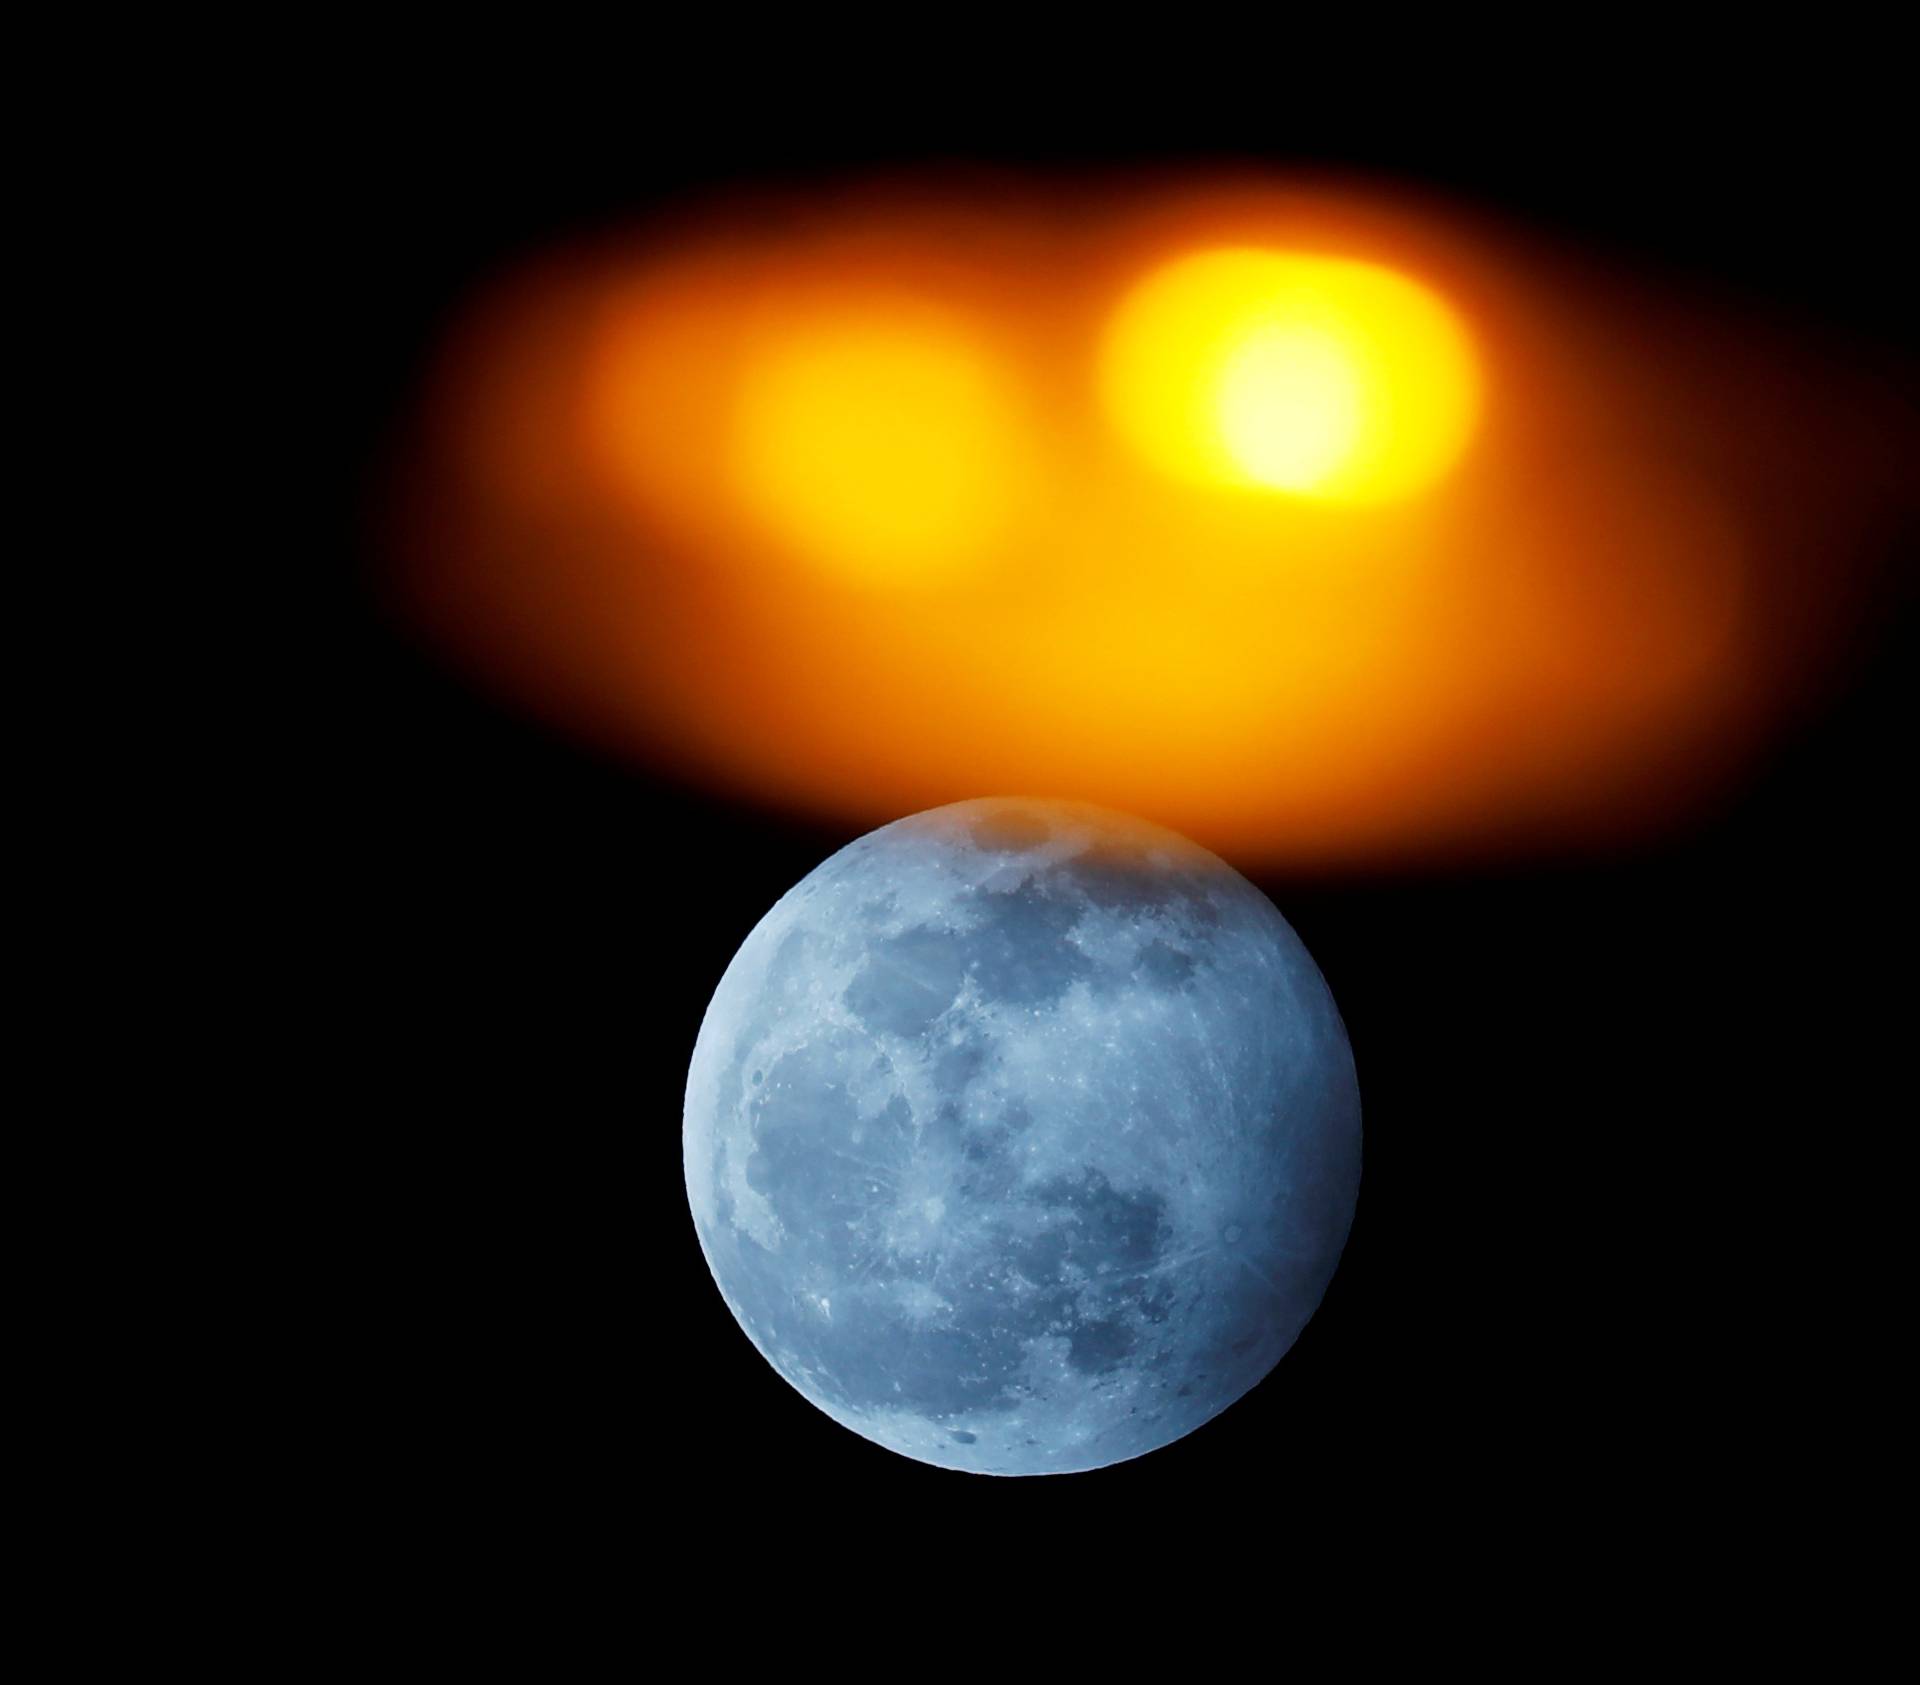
{"x": 1608, "y": 1103}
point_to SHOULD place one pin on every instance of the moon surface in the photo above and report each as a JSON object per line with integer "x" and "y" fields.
{"x": 1022, "y": 1137}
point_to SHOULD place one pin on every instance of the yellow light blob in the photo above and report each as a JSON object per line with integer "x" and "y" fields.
{"x": 883, "y": 447}
{"x": 1321, "y": 377}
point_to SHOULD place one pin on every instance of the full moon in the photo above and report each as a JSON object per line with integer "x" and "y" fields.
{"x": 1022, "y": 1137}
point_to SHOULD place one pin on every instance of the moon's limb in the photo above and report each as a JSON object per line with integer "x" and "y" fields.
{"x": 1021, "y": 1137}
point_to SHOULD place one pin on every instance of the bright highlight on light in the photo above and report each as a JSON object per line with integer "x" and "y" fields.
{"x": 1317, "y": 376}
{"x": 883, "y": 447}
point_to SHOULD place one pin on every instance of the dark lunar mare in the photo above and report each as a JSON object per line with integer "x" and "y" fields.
{"x": 1022, "y": 1137}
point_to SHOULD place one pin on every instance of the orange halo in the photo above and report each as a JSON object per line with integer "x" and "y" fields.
{"x": 1314, "y": 526}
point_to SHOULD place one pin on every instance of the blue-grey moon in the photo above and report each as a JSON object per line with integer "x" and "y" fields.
{"x": 1022, "y": 1137}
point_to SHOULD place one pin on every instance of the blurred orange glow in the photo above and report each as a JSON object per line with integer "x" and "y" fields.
{"x": 1313, "y": 375}
{"x": 878, "y": 444}
{"x": 1315, "y": 525}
